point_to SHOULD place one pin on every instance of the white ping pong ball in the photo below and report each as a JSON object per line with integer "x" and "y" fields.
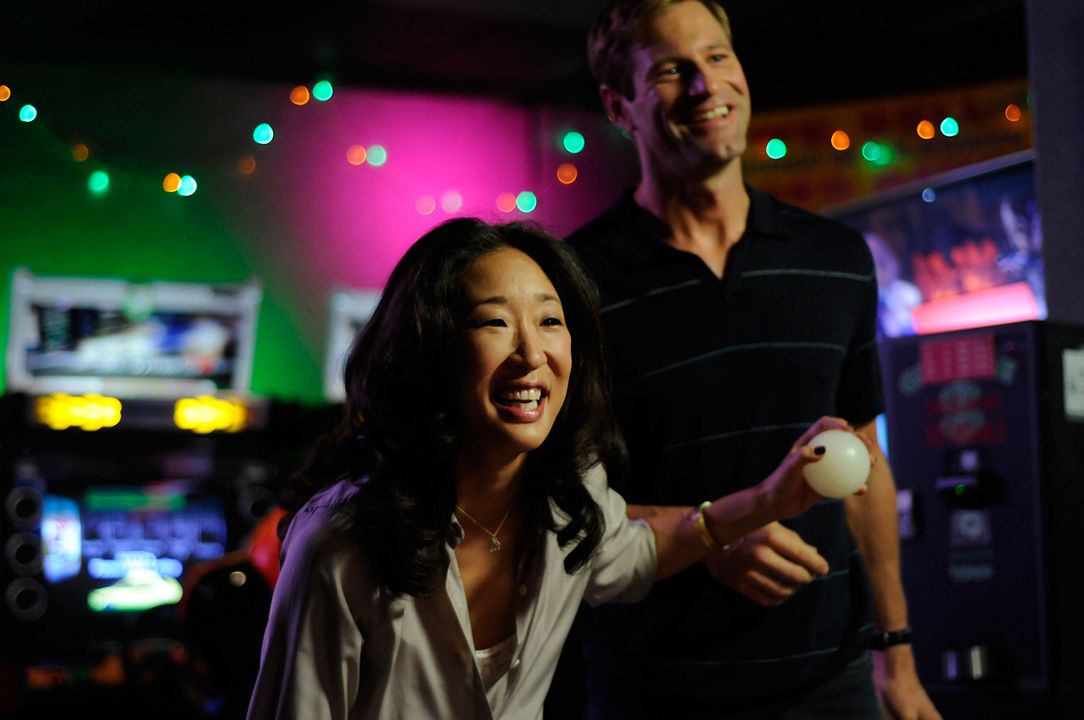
{"x": 843, "y": 467}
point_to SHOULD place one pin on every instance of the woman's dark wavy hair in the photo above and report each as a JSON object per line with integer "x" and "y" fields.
{"x": 400, "y": 427}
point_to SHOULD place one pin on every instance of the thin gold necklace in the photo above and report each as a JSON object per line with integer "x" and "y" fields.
{"x": 494, "y": 542}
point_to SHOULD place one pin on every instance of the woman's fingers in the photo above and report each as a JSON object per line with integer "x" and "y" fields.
{"x": 825, "y": 423}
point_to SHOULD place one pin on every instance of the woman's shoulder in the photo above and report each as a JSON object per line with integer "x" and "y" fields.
{"x": 321, "y": 524}
{"x": 328, "y": 499}
{"x": 323, "y": 564}
{"x": 595, "y": 480}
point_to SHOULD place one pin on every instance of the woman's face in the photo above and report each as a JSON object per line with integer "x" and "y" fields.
{"x": 516, "y": 356}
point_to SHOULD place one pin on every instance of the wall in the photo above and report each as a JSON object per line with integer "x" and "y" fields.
{"x": 306, "y": 221}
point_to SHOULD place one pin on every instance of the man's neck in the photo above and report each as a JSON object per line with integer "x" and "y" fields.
{"x": 705, "y": 217}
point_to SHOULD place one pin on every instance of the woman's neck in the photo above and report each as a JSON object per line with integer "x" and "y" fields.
{"x": 487, "y": 489}
{"x": 490, "y": 553}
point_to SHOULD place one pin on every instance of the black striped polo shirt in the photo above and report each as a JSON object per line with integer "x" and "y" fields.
{"x": 713, "y": 381}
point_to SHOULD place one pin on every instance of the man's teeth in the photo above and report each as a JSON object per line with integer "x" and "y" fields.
{"x": 722, "y": 111}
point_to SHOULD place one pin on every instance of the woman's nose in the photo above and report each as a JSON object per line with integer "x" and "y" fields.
{"x": 529, "y": 350}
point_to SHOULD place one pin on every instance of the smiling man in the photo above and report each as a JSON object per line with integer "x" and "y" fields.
{"x": 732, "y": 319}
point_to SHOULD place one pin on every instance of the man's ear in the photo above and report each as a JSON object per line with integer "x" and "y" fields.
{"x": 614, "y": 103}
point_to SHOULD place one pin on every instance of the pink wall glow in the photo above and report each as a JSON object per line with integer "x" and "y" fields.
{"x": 347, "y": 225}
{"x": 305, "y": 222}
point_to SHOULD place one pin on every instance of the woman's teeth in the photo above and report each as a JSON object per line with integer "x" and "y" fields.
{"x": 529, "y": 397}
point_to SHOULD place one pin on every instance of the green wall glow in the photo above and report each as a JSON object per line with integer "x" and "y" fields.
{"x": 51, "y": 224}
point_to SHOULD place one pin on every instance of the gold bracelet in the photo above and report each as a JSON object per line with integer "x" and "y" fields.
{"x": 702, "y": 527}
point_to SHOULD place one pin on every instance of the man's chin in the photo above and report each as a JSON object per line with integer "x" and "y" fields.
{"x": 706, "y": 162}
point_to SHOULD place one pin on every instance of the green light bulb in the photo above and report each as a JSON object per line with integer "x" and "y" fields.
{"x": 526, "y": 201}
{"x": 573, "y": 142}
{"x": 949, "y": 127}
{"x": 776, "y": 148}
{"x": 263, "y": 134}
{"x": 377, "y": 155}
{"x": 322, "y": 91}
{"x": 187, "y": 186}
{"x": 98, "y": 182}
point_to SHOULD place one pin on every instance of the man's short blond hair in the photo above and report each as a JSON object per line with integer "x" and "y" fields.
{"x": 620, "y": 28}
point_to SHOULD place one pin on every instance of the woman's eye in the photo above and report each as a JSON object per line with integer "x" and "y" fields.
{"x": 491, "y": 322}
{"x": 552, "y": 321}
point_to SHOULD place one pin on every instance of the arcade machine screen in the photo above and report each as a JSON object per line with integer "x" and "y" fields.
{"x": 109, "y": 551}
{"x": 956, "y": 251}
{"x": 350, "y": 311}
{"x": 128, "y": 339}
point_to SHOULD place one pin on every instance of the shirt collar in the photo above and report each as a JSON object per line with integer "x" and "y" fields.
{"x": 765, "y": 217}
{"x": 646, "y": 235}
{"x": 456, "y": 534}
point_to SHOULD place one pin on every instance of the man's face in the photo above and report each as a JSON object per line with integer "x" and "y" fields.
{"x": 690, "y": 112}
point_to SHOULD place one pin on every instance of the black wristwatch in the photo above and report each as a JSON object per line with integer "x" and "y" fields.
{"x": 888, "y": 638}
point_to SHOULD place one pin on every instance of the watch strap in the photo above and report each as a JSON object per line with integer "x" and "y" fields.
{"x": 888, "y": 638}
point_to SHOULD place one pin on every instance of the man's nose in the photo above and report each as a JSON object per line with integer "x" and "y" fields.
{"x": 700, "y": 83}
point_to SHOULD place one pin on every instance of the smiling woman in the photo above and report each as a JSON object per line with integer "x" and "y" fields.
{"x": 517, "y": 354}
{"x": 439, "y": 543}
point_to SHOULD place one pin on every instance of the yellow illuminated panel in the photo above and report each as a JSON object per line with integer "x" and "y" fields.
{"x": 206, "y": 414}
{"x": 87, "y": 412}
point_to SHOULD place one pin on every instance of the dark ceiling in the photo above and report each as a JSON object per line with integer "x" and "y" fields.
{"x": 795, "y": 52}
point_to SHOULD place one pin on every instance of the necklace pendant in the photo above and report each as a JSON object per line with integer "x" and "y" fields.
{"x": 494, "y": 544}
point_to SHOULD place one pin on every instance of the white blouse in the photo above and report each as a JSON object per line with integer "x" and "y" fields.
{"x": 337, "y": 647}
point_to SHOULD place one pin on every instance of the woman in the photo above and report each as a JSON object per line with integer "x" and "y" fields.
{"x": 440, "y": 544}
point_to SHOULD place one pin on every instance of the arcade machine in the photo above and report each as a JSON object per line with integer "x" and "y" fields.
{"x": 349, "y": 310}
{"x": 131, "y": 455}
{"x": 985, "y": 425}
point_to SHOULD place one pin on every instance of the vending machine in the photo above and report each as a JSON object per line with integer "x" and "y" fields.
{"x": 986, "y": 433}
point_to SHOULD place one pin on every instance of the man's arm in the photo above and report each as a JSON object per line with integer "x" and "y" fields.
{"x": 873, "y": 521}
{"x": 768, "y": 565}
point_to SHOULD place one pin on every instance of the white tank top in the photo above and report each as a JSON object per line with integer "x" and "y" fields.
{"x": 493, "y": 662}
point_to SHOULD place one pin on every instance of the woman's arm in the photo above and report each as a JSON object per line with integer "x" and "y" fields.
{"x": 310, "y": 662}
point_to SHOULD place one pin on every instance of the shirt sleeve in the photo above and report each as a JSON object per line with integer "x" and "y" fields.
{"x": 311, "y": 655}
{"x": 624, "y": 564}
{"x": 861, "y": 394}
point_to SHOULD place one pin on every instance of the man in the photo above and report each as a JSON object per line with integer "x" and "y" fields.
{"x": 732, "y": 321}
